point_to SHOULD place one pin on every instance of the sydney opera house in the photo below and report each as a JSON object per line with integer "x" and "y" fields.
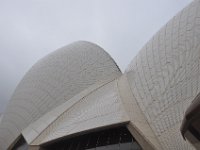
{"x": 77, "y": 98}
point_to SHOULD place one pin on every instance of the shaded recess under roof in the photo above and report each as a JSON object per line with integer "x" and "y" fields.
{"x": 118, "y": 138}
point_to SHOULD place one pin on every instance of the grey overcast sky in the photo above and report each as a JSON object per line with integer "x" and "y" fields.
{"x": 30, "y": 29}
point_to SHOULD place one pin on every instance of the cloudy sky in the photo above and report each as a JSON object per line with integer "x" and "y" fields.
{"x": 30, "y": 29}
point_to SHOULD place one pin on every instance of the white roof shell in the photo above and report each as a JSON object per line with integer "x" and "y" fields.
{"x": 52, "y": 81}
{"x": 165, "y": 76}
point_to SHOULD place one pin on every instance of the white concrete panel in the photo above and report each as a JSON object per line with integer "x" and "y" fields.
{"x": 139, "y": 125}
{"x": 99, "y": 108}
{"x": 43, "y": 122}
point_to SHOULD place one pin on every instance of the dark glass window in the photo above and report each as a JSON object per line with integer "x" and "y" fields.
{"x": 92, "y": 140}
{"x": 111, "y": 139}
{"x": 195, "y": 132}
